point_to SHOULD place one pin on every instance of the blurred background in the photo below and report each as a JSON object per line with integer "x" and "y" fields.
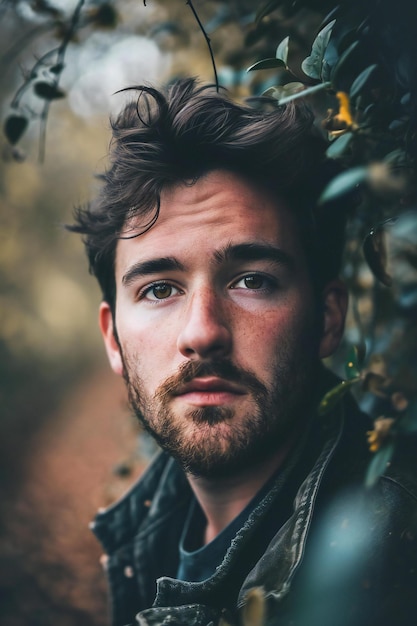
{"x": 68, "y": 444}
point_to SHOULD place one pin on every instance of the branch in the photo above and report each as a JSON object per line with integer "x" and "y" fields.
{"x": 31, "y": 76}
{"x": 61, "y": 51}
{"x": 207, "y": 38}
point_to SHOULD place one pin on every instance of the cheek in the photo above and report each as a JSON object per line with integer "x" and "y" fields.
{"x": 282, "y": 331}
{"x": 150, "y": 348}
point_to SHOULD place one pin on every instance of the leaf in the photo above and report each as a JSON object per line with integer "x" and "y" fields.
{"x": 361, "y": 80}
{"x": 379, "y": 463}
{"x": 57, "y": 68}
{"x": 408, "y": 297}
{"x": 375, "y": 253}
{"x": 281, "y": 92}
{"x": 339, "y": 145}
{"x": 284, "y": 86}
{"x": 104, "y": 16}
{"x": 46, "y": 91}
{"x": 343, "y": 184}
{"x": 397, "y": 158}
{"x": 14, "y": 127}
{"x": 282, "y": 50}
{"x": 43, "y": 6}
{"x": 334, "y": 396}
{"x": 266, "y": 8}
{"x": 352, "y": 366}
{"x": 369, "y": 111}
{"x": 312, "y": 65}
{"x": 406, "y": 99}
{"x": 266, "y": 64}
{"x": 345, "y": 57}
{"x": 357, "y": 354}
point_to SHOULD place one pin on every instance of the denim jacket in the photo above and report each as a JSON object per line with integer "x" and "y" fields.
{"x": 345, "y": 556}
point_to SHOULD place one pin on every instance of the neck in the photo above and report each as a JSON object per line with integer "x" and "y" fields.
{"x": 222, "y": 499}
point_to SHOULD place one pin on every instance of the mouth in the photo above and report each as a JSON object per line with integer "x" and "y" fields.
{"x": 210, "y": 391}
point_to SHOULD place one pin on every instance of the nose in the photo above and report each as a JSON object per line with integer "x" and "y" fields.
{"x": 205, "y": 332}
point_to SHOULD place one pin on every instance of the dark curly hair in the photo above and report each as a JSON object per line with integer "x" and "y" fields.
{"x": 185, "y": 130}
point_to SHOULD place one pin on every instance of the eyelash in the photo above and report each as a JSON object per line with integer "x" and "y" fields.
{"x": 144, "y": 292}
{"x": 270, "y": 285}
{"x": 269, "y": 282}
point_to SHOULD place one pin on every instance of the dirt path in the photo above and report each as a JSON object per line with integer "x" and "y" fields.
{"x": 50, "y": 561}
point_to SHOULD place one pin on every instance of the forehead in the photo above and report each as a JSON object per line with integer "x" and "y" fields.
{"x": 218, "y": 209}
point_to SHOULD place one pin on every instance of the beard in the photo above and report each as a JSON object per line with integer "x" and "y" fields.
{"x": 218, "y": 441}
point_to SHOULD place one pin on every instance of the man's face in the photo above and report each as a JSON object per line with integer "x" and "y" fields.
{"x": 218, "y": 336}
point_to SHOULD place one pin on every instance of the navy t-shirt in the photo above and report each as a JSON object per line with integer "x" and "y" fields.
{"x": 198, "y": 562}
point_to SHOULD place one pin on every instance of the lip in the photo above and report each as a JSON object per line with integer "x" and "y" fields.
{"x": 210, "y": 385}
{"x": 211, "y": 391}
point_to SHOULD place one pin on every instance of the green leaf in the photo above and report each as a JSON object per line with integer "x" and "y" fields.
{"x": 105, "y": 16}
{"x": 345, "y": 57}
{"x": 282, "y": 78}
{"x": 332, "y": 397}
{"x": 282, "y": 50}
{"x": 352, "y": 367}
{"x": 46, "y": 91}
{"x": 343, "y": 184}
{"x": 57, "y": 68}
{"x": 361, "y": 80}
{"x": 282, "y": 92}
{"x": 266, "y": 64}
{"x": 397, "y": 158}
{"x": 379, "y": 463}
{"x": 339, "y": 145}
{"x": 266, "y": 8}
{"x": 14, "y": 127}
{"x": 312, "y": 65}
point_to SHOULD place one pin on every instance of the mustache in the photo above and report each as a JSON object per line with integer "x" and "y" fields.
{"x": 221, "y": 368}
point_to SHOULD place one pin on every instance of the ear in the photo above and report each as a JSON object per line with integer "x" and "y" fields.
{"x": 335, "y": 299}
{"x": 105, "y": 320}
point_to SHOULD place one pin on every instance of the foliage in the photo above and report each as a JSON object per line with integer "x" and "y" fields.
{"x": 360, "y": 77}
{"x": 354, "y": 62}
{"x": 43, "y": 79}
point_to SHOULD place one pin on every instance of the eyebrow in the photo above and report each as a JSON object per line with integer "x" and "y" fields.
{"x": 229, "y": 254}
{"x": 254, "y": 252}
{"x": 153, "y": 266}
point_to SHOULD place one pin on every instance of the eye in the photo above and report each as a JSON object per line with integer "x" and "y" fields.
{"x": 254, "y": 282}
{"x": 159, "y": 291}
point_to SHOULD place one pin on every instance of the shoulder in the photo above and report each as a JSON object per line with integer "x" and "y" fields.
{"x": 144, "y": 504}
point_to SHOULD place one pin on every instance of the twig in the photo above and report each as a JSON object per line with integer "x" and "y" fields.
{"x": 61, "y": 51}
{"x": 31, "y": 76}
{"x": 207, "y": 38}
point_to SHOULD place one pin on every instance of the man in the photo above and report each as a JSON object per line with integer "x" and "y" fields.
{"x": 221, "y": 295}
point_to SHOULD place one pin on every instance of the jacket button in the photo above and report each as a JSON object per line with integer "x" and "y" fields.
{"x": 104, "y": 561}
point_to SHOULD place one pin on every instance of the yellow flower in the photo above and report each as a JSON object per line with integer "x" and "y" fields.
{"x": 382, "y": 430}
{"x": 339, "y": 123}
